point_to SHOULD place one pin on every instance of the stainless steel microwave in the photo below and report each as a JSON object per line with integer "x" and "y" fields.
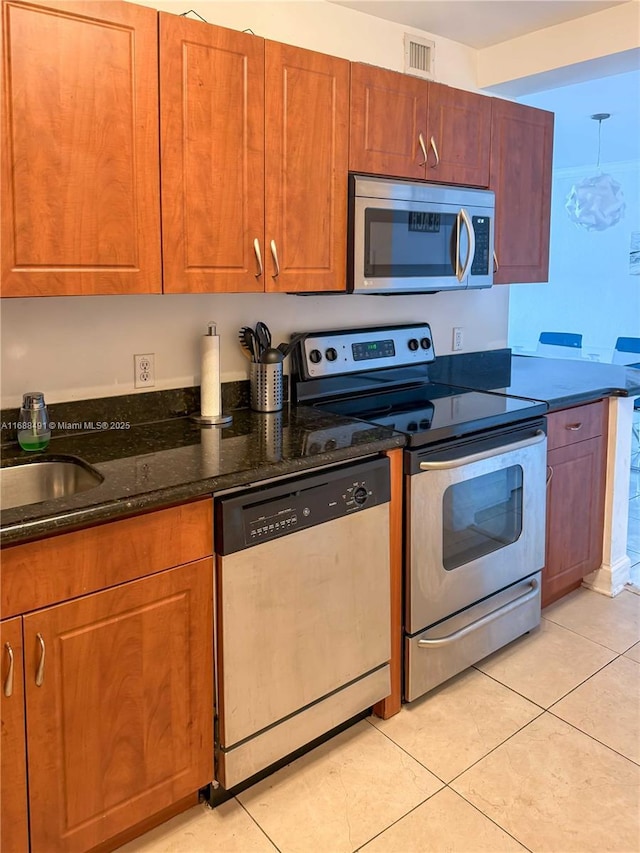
{"x": 412, "y": 237}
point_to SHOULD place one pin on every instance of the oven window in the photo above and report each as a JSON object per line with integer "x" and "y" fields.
{"x": 408, "y": 243}
{"x": 481, "y": 515}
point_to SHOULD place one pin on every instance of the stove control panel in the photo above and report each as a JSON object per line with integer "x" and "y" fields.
{"x": 355, "y": 350}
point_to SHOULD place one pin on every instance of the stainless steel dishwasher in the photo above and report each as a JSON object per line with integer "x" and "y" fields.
{"x": 303, "y": 591}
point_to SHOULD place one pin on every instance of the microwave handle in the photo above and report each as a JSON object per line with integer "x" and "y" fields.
{"x": 463, "y": 218}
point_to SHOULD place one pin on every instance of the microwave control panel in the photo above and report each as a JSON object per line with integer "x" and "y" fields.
{"x": 481, "y": 228}
{"x": 354, "y": 350}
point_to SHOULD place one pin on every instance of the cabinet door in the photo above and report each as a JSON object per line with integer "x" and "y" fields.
{"x": 212, "y": 151}
{"x": 521, "y": 159}
{"x": 459, "y": 136}
{"x": 388, "y": 114}
{"x": 13, "y": 752}
{"x": 306, "y": 118}
{"x": 122, "y": 724}
{"x": 80, "y": 179}
{"x": 575, "y": 516}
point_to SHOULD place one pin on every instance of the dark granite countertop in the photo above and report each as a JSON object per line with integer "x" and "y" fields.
{"x": 151, "y": 465}
{"x": 559, "y": 382}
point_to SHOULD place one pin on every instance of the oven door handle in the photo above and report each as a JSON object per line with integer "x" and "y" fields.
{"x": 485, "y": 454}
{"x": 484, "y": 620}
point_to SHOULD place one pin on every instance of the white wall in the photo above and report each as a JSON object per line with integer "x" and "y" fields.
{"x": 590, "y": 290}
{"x": 82, "y": 347}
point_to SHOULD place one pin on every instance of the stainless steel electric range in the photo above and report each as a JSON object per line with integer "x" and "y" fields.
{"x": 474, "y": 470}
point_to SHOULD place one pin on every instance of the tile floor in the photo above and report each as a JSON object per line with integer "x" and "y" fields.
{"x": 536, "y": 748}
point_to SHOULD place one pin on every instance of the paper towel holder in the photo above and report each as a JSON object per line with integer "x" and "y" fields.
{"x": 212, "y": 420}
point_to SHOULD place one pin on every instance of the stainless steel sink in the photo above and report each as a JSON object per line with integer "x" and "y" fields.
{"x": 45, "y": 479}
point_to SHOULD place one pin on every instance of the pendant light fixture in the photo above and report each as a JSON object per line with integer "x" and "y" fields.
{"x": 596, "y": 203}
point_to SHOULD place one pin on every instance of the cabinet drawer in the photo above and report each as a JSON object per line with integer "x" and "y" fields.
{"x": 577, "y": 424}
{"x": 59, "y": 568}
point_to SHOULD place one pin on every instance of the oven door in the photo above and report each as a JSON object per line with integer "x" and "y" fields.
{"x": 476, "y": 521}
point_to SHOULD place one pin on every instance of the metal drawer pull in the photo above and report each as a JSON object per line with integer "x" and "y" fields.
{"x": 574, "y": 427}
{"x": 484, "y": 620}
{"x": 487, "y": 454}
{"x": 40, "y": 671}
{"x": 496, "y": 265}
{"x": 8, "y": 684}
{"x": 549, "y": 474}
{"x": 435, "y": 151}
{"x": 424, "y": 149}
{"x": 256, "y": 249}
{"x": 274, "y": 254}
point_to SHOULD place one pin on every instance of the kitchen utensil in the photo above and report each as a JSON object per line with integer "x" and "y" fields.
{"x": 271, "y": 355}
{"x": 263, "y": 336}
{"x": 247, "y": 338}
{"x": 265, "y": 387}
{"x": 287, "y": 346}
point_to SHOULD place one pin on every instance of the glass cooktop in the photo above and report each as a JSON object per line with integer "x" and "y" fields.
{"x": 433, "y": 412}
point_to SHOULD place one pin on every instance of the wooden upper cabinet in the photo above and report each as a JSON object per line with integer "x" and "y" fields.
{"x": 307, "y": 139}
{"x": 521, "y": 162}
{"x": 410, "y": 128}
{"x": 122, "y": 723}
{"x": 212, "y": 155}
{"x": 459, "y": 136}
{"x": 80, "y": 176}
{"x": 388, "y": 115}
{"x": 13, "y": 769}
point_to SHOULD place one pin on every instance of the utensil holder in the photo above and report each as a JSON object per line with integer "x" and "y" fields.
{"x": 265, "y": 387}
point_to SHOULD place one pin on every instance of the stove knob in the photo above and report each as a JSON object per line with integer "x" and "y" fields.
{"x": 412, "y": 426}
{"x": 425, "y": 343}
{"x": 360, "y": 495}
{"x": 330, "y": 444}
{"x": 315, "y": 356}
{"x": 425, "y": 423}
{"x": 331, "y": 354}
{"x": 413, "y": 344}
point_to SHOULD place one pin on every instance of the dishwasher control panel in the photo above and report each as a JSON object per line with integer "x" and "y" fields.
{"x": 264, "y": 513}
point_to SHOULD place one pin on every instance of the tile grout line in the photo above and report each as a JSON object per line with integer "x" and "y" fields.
{"x": 595, "y": 642}
{"x": 268, "y": 837}
{"x": 586, "y": 734}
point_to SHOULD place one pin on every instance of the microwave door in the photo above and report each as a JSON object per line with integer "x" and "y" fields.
{"x": 404, "y": 246}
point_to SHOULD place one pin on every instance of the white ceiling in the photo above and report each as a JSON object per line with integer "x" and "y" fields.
{"x": 478, "y": 23}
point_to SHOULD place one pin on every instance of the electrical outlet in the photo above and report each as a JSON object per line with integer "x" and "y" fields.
{"x": 457, "y": 338}
{"x": 144, "y": 370}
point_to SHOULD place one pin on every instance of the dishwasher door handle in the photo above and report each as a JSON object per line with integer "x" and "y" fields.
{"x": 483, "y": 620}
{"x": 484, "y": 454}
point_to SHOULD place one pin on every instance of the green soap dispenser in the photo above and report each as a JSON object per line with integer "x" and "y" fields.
{"x": 33, "y": 428}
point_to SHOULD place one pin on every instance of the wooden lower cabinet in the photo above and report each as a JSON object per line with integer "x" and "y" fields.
{"x": 13, "y": 765}
{"x": 575, "y": 498}
{"x": 118, "y": 689}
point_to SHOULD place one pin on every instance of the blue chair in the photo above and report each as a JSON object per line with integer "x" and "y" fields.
{"x": 627, "y": 351}
{"x": 560, "y": 344}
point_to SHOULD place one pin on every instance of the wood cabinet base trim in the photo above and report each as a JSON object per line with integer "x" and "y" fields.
{"x": 391, "y": 704}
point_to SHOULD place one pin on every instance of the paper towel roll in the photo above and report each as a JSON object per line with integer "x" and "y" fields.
{"x": 210, "y": 405}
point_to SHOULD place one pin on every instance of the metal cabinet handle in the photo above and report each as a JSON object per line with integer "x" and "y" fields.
{"x": 496, "y": 265}
{"x": 256, "y": 249}
{"x": 424, "y": 149}
{"x": 8, "y": 684}
{"x": 274, "y": 255}
{"x": 549, "y": 474}
{"x": 432, "y": 142}
{"x": 574, "y": 427}
{"x": 483, "y": 620}
{"x": 40, "y": 670}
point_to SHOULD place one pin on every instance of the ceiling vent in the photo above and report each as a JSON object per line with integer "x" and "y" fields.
{"x": 419, "y": 56}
